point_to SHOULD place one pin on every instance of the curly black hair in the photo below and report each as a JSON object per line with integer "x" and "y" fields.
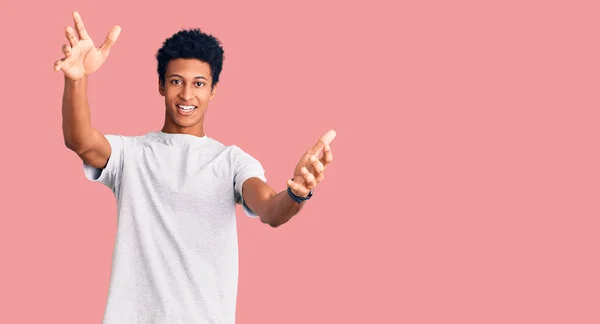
{"x": 191, "y": 43}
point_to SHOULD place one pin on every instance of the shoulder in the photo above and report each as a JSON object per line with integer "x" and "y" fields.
{"x": 119, "y": 142}
{"x": 233, "y": 151}
{"x": 241, "y": 155}
{"x": 121, "y": 138}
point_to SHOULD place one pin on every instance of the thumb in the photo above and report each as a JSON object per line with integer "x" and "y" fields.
{"x": 110, "y": 40}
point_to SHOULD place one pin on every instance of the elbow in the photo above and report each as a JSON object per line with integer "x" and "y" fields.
{"x": 69, "y": 144}
{"x": 73, "y": 145}
{"x": 77, "y": 144}
{"x": 78, "y": 140}
{"x": 274, "y": 225}
{"x": 271, "y": 222}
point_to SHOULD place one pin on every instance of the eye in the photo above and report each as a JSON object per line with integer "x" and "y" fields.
{"x": 175, "y": 81}
{"x": 199, "y": 84}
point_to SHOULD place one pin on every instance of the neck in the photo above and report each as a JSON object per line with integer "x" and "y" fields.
{"x": 170, "y": 127}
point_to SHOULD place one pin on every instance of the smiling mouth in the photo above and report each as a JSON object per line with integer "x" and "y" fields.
{"x": 186, "y": 108}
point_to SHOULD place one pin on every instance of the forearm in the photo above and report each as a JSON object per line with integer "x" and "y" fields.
{"x": 77, "y": 129}
{"x": 280, "y": 208}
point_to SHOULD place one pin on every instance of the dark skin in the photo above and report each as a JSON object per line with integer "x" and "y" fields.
{"x": 188, "y": 83}
{"x": 187, "y": 90}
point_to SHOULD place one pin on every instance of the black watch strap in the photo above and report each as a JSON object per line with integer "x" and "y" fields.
{"x": 296, "y": 198}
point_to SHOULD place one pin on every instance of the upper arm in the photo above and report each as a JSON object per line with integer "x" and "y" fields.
{"x": 245, "y": 167}
{"x": 96, "y": 152}
{"x": 256, "y": 194}
{"x": 105, "y": 160}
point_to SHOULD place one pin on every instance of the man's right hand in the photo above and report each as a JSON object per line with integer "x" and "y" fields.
{"x": 82, "y": 57}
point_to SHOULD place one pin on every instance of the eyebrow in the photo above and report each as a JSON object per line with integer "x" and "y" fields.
{"x": 198, "y": 77}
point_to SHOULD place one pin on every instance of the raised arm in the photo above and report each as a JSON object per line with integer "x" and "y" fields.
{"x": 81, "y": 59}
{"x": 276, "y": 208}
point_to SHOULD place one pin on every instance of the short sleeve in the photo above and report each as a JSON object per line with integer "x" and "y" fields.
{"x": 245, "y": 167}
{"x": 111, "y": 174}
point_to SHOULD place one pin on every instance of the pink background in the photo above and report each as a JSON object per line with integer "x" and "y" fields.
{"x": 465, "y": 182}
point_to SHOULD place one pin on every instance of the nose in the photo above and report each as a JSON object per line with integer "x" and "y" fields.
{"x": 186, "y": 93}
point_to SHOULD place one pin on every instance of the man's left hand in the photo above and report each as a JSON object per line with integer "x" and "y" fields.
{"x": 310, "y": 169}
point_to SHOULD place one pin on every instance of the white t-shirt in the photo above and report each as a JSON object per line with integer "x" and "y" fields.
{"x": 175, "y": 258}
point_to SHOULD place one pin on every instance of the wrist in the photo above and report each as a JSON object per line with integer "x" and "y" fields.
{"x": 75, "y": 81}
{"x": 297, "y": 194}
{"x": 298, "y": 198}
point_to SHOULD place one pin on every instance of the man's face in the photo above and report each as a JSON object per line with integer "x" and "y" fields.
{"x": 187, "y": 91}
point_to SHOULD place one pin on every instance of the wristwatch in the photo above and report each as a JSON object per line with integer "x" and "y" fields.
{"x": 296, "y": 198}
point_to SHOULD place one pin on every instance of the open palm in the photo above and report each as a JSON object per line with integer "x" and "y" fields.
{"x": 82, "y": 57}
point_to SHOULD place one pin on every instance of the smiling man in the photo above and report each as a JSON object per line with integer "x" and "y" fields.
{"x": 176, "y": 254}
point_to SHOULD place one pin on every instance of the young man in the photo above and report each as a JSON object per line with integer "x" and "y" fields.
{"x": 175, "y": 257}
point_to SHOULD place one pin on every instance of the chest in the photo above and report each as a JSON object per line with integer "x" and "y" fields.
{"x": 182, "y": 178}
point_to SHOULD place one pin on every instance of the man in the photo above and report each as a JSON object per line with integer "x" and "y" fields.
{"x": 175, "y": 257}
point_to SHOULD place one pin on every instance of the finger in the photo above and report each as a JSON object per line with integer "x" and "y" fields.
{"x": 66, "y": 49}
{"x": 298, "y": 178}
{"x": 58, "y": 65}
{"x": 70, "y": 33}
{"x": 110, "y": 40}
{"x": 298, "y": 189}
{"x": 328, "y": 137}
{"x": 309, "y": 179}
{"x": 327, "y": 156}
{"x": 318, "y": 168}
{"x": 324, "y": 140}
{"x": 81, "y": 32}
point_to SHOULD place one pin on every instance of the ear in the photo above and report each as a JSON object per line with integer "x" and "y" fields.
{"x": 213, "y": 91}
{"x": 161, "y": 88}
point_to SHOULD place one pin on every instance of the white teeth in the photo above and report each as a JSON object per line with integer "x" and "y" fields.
{"x": 186, "y": 107}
